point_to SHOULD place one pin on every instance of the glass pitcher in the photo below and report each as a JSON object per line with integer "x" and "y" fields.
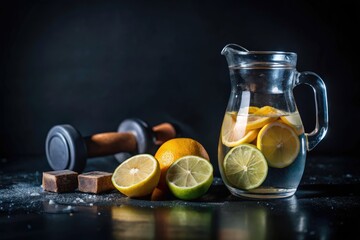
{"x": 262, "y": 144}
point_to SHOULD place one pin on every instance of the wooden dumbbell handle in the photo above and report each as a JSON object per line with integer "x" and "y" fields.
{"x": 110, "y": 143}
{"x": 163, "y": 132}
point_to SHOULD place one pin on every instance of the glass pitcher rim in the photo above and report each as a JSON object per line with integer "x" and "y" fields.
{"x": 244, "y": 51}
{"x": 267, "y": 52}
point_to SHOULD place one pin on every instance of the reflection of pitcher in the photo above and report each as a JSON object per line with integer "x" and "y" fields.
{"x": 262, "y": 145}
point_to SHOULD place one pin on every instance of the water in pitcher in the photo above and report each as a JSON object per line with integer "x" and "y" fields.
{"x": 278, "y": 136}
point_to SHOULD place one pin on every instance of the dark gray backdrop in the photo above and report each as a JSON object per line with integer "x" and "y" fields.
{"x": 94, "y": 63}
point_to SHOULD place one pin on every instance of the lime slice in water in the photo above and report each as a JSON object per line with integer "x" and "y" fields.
{"x": 245, "y": 166}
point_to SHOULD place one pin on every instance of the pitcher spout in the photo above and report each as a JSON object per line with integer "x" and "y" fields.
{"x": 232, "y": 48}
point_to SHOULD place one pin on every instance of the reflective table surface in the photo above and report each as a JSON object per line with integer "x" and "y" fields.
{"x": 326, "y": 206}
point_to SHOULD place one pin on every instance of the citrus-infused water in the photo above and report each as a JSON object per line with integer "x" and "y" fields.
{"x": 262, "y": 145}
{"x": 262, "y": 152}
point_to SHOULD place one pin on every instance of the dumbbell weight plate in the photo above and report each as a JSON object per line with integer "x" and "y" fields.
{"x": 65, "y": 148}
{"x": 144, "y": 137}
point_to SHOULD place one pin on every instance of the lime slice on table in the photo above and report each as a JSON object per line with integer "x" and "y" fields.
{"x": 189, "y": 177}
{"x": 245, "y": 167}
{"x": 279, "y": 143}
{"x": 137, "y": 176}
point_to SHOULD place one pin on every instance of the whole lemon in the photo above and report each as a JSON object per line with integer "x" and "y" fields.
{"x": 172, "y": 150}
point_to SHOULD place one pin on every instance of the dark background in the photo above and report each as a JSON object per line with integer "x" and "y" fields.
{"x": 94, "y": 63}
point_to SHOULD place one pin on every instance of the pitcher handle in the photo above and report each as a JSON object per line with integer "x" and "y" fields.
{"x": 321, "y": 107}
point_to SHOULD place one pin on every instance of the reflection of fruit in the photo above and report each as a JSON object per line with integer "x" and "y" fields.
{"x": 262, "y": 117}
{"x": 184, "y": 222}
{"x": 132, "y": 222}
{"x": 234, "y": 132}
{"x": 172, "y": 150}
{"x": 137, "y": 176}
{"x": 132, "y": 213}
{"x": 185, "y": 216}
{"x": 250, "y": 222}
{"x": 279, "y": 143}
{"x": 245, "y": 166}
{"x": 189, "y": 177}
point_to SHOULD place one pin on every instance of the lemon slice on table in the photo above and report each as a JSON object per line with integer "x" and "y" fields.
{"x": 189, "y": 177}
{"x": 245, "y": 167}
{"x": 137, "y": 176}
{"x": 279, "y": 143}
{"x": 261, "y": 117}
{"x": 234, "y": 130}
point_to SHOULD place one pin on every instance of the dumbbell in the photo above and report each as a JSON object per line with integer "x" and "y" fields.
{"x": 67, "y": 149}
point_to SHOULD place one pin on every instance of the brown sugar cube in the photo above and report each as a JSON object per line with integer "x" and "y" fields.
{"x": 95, "y": 182}
{"x": 60, "y": 181}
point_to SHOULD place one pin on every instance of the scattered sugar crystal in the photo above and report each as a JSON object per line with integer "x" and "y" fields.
{"x": 78, "y": 200}
{"x": 68, "y": 209}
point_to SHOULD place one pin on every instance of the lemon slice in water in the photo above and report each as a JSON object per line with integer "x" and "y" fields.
{"x": 294, "y": 121}
{"x": 261, "y": 117}
{"x": 234, "y": 132}
{"x": 279, "y": 143}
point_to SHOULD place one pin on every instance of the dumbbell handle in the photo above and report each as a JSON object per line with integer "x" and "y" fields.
{"x": 110, "y": 143}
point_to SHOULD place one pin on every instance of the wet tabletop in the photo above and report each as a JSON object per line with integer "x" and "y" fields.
{"x": 326, "y": 206}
